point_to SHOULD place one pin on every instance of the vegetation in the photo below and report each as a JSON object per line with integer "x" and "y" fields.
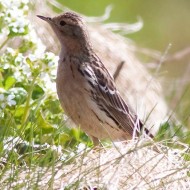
{"x": 34, "y": 132}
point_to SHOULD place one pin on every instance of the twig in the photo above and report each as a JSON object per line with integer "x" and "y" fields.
{"x": 118, "y": 69}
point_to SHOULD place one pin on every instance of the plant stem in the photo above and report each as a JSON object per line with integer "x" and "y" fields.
{"x": 27, "y": 106}
{"x": 3, "y": 44}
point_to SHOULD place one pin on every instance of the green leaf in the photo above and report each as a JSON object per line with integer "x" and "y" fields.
{"x": 53, "y": 105}
{"x": 63, "y": 138}
{"x": 10, "y": 81}
{"x": 37, "y": 92}
{"x": 75, "y": 132}
{"x": 12, "y": 32}
{"x": 186, "y": 156}
{"x": 43, "y": 124}
{"x": 19, "y": 111}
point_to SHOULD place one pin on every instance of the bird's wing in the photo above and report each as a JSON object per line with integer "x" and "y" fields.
{"x": 108, "y": 98}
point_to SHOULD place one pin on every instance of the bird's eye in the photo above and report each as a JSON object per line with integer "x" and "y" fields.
{"x": 62, "y": 23}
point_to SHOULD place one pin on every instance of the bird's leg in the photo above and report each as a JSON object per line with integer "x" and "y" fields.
{"x": 96, "y": 142}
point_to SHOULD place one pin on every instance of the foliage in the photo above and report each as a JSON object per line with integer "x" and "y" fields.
{"x": 33, "y": 127}
{"x": 29, "y": 107}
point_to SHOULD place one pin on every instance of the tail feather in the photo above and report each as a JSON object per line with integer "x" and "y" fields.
{"x": 147, "y": 131}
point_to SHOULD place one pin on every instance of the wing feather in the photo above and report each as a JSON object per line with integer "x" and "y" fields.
{"x": 109, "y": 99}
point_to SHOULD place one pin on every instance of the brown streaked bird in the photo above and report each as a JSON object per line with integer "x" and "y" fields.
{"x": 85, "y": 88}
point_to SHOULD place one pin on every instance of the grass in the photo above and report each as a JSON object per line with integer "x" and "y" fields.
{"x": 129, "y": 166}
{"x": 39, "y": 150}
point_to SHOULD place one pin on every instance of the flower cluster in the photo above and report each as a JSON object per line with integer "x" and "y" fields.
{"x": 13, "y": 17}
{"x": 9, "y": 100}
{"x": 27, "y": 73}
{"x": 27, "y": 79}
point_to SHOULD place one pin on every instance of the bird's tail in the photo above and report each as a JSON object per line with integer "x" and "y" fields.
{"x": 140, "y": 129}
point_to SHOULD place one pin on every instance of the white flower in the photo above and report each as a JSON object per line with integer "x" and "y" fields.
{"x": 25, "y": 68}
{"x": 32, "y": 57}
{"x": 19, "y": 24}
{"x": 33, "y": 37}
{"x": 2, "y": 14}
{"x": 25, "y": 1}
{"x": 7, "y": 19}
{"x": 17, "y": 75}
{"x": 9, "y": 4}
{"x": 2, "y": 97}
{"x": 81, "y": 147}
{"x": 15, "y": 30}
{"x": 21, "y": 30}
{"x": 3, "y": 105}
{"x": 15, "y": 13}
{"x": 10, "y": 100}
{"x": 49, "y": 55}
{"x": 72, "y": 154}
{"x": 57, "y": 149}
{"x": 6, "y": 66}
{"x": 19, "y": 58}
{"x": 48, "y": 84}
{"x": 25, "y": 8}
{"x": 7, "y": 100}
{"x": 10, "y": 50}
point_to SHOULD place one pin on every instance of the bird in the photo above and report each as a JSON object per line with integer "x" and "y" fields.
{"x": 85, "y": 88}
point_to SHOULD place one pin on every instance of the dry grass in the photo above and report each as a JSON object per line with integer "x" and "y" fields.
{"x": 131, "y": 165}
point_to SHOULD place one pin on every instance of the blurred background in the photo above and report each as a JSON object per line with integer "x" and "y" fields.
{"x": 166, "y": 21}
{"x": 164, "y": 38}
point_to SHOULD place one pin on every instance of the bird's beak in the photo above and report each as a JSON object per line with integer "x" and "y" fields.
{"x": 47, "y": 19}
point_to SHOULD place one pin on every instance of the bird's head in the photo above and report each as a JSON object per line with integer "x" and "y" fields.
{"x": 69, "y": 28}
